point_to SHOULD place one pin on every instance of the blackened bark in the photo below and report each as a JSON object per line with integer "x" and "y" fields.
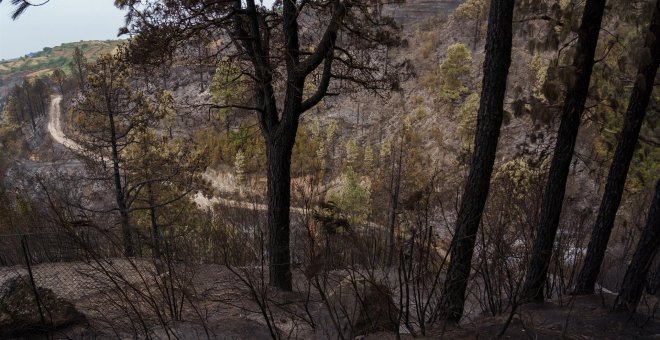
{"x": 279, "y": 201}
{"x": 616, "y": 180}
{"x": 489, "y": 121}
{"x": 477, "y": 29}
{"x": 280, "y": 138}
{"x": 647, "y": 247}
{"x": 280, "y": 131}
{"x": 395, "y": 188}
{"x": 122, "y": 206}
{"x": 155, "y": 232}
{"x": 20, "y": 98}
{"x": 79, "y": 66}
{"x": 41, "y": 91}
{"x": 576, "y": 95}
{"x": 30, "y": 104}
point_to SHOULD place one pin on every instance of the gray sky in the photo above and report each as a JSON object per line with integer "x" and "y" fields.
{"x": 56, "y": 22}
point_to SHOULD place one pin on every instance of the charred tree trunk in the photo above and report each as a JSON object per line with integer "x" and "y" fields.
{"x": 41, "y": 91}
{"x": 21, "y": 108}
{"x": 253, "y": 34}
{"x": 647, "y": 247}
{"x": 78, "y": 67}
{"x": 489, "y": 121}
{"x": 616, "y": 180}
{"x": 44, "y": 104}
{"x": 122, "y": 206}
{"x": 127, "y": 233}
{"x": 395, "y": 187}
{"x": 155, "y": 230}
{"x": 279, "y": 150}
{"x": 576, "y": 95}
{"x": 60, "y": 86}
{"x": 477, "y": 30}
{"x": 30, "y": 105}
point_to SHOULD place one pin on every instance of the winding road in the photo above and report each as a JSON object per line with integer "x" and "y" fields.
{"x": 203, "y": 202}
{"x": 55, "y": 126}
{"x": 57, "y": 133}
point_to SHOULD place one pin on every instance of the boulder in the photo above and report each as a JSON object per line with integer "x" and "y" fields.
{"x": 19, "y": 310}
{"x": 357, "y": 307}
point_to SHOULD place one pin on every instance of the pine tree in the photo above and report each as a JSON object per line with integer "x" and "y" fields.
{"x": 489, "y": 121}
{"x": 647, "y": 247}
{"x": 452, "y": 72}
{"x": 78, "y": 66}
{"x": 637, "y": 105}
{"x": 352, "y": 198}
{"x": 278, "y": 58}
{"x": 575, "y": 98}
{"x": 368, "y": 158}
{"x": 467, "y": 120}
{"x": 239, "y": 167}
{"x": 108, "y": 116}
{"x": 476, "y": 11}
{"x": 352, "y": 153}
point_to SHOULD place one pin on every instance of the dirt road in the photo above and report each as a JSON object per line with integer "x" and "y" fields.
{"x": 55, "y": 126}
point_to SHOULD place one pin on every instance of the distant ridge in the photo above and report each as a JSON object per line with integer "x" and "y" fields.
{"x": 34, "y": 64}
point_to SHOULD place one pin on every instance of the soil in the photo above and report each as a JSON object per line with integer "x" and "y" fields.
{"x": 220, "y": 305}
{"x": 577, "y": 317}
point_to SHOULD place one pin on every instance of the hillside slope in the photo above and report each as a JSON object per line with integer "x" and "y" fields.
{"x": 48, "y": 59}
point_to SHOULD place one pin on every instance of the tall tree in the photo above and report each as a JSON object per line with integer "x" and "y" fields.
{"x": 59, "y": 77}
{"x": 29, "y": 101}
{"x": 647, "y": 247}
{"x": 489, "y": 121}
{"x": 639, "y": 100}
{"x": 108, "y": 115}
{"x": 41, "y": 92}
{"x": 553, "y": 197}
{"x": 16, "y": 104}
{"x": 168, "y": 169}
{"x": 78, "y": 67}
{"x": 278, "y": 57}
{"x": 476, "y": 11}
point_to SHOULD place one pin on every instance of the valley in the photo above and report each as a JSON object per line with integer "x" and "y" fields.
{"x": 336, "y": 170}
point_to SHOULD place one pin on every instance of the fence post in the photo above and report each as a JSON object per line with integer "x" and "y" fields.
{"x": 26, "y": 253}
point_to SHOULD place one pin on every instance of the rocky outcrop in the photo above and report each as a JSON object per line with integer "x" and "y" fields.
{"x": 21, "y": 314}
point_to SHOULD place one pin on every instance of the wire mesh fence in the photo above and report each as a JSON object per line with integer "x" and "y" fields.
{"x": 44, "y": 274}
{"x": 54, "y": 260}
{"x": 150, "y": 292}
{"x": 43, "y": 247}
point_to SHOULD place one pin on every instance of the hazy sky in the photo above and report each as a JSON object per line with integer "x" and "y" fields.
{"x": 56, "y": 22}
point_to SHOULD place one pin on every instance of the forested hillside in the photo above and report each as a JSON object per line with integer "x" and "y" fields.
{"x": 44, "y": 62}
{"x": 334, "y": 169}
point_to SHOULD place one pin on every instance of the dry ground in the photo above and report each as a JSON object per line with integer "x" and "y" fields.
{"x": 222, "y": 307}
